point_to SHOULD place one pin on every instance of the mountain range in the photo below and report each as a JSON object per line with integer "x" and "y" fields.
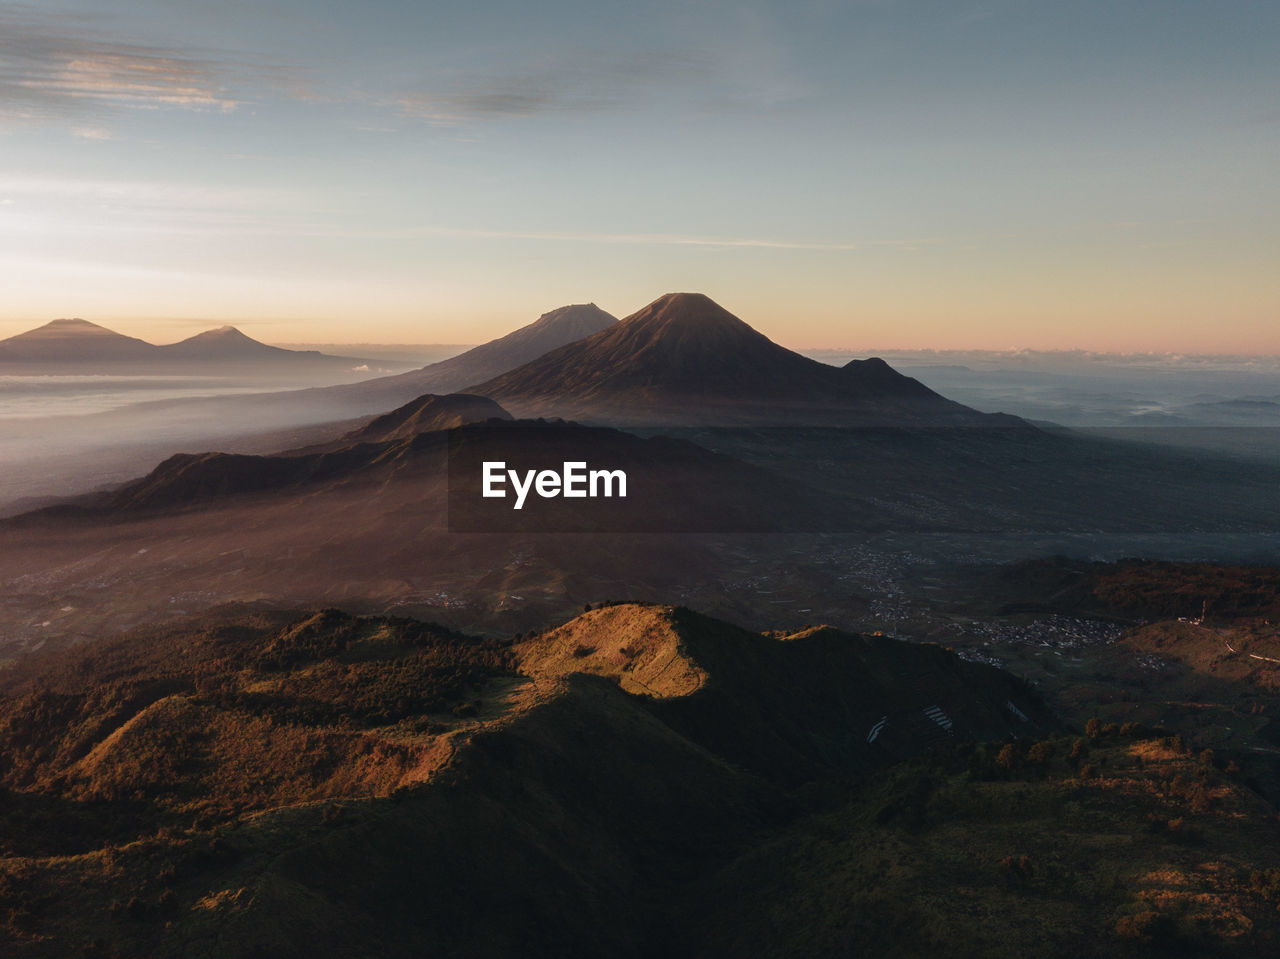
{"x": 366, "y": 507}
{"x": 83, "y": 346}
{"x": 94, "y": 450}
{"x": 694, "y": 362}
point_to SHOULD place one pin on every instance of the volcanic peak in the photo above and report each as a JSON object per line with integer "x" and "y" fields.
{"x": 69, "y": 327}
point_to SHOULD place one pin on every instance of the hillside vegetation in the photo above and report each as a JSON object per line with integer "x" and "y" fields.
{"x": 640, "y": 781}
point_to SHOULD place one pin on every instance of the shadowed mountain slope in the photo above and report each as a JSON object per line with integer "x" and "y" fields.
{"x": 670, "y": 485}
{"x": 390, "y": 523}
{"x": 564, "y": 795}
{"x": 426, "y": 414}
{"x": 823, "y": 688}
{"x": 685, "y": 359}
{"x": 793, "y": 705}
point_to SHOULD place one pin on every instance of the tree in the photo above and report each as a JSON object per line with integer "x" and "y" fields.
{"x": 1040, "y": 752}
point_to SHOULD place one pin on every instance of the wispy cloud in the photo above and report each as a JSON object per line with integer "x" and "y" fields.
{"x": 70, "y": 66}
{"x": 118, "y": 207}
{"x": 35, "y": 207}
{"x": 581, "y": 82}
{"x": 92, "y": 133}
{"x": 82, "y": 68}
{"x": 903, "y": 244}
{"x": 573, "y": 81}
{"x": 459, "y": 108}
{"x": 645, "y": 239}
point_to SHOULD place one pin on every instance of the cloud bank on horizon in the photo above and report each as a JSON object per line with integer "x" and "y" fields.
{"x": 988, "y": 174}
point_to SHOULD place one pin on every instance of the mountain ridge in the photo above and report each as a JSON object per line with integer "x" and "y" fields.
{"x": 426, "y": 414}
{"x": 552, "y": 330}
{"x": 210, "y": 788}
{"x": 441, "y": 467}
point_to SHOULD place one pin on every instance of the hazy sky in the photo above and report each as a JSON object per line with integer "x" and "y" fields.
{"x": 891, "y": 173}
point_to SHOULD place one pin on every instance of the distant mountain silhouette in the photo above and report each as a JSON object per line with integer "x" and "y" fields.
{"x": 685, "y": 359}
{"x": 73, "y": 341}
{"x": 228, "y": 343}
{"x": 374, "y": 396}
{"x": 80, "y": 344}
{"x": 562, "y": 326}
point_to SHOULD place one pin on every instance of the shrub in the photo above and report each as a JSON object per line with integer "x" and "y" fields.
{"x": 1017, "y": 870}
{"x": 1146, "y": 927}
{"x": 1266, "y": 883}
{"x": 1040, "y": 752}
{"x": 167, "y": 904}
{"x": 1177, "y": 744}
{"x": 1179, "y": 829}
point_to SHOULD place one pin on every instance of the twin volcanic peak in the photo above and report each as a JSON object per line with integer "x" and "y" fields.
{"x": 684, "y": 359}
{"x": 79, "y": 344}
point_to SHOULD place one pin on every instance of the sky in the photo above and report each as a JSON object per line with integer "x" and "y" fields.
{"x": 948, "y": 174}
